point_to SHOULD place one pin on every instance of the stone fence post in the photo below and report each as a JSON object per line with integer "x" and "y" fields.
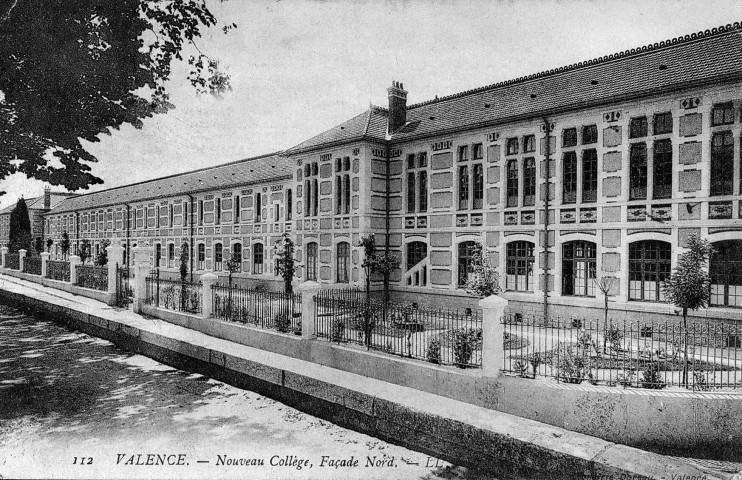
{"x": 493, "y": 308}
{"x": 142, "y": 267}
{"x": 44, "y": 260}
{"x": 115, "y": 254}
{"x": 308, "y": 310}
{"x": 3, "y": 252}
{"x": 75, "y": 260}
{"x": 207, "y": 299}
{"x": 21, "y": 259}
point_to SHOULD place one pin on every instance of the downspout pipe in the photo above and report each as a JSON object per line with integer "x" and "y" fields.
{"x": 128, "y": 233}
{"x": 547, "y": 184}
{"x": 190, "y": 227}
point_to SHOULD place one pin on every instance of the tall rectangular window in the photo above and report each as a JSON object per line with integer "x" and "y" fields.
{"x": 662, "y": 123}
{"x": 662, "y": 167}
{"x": 638, "y": 127}
{"x": 346, "y": 197}
{"x": 218, "y": 211}
{"x": 722, "y": 164}
{"x": 307, "y": 197}
{"x": 512, "y": 146}
{"x": 236, "y": 209}
{"x": 338, "y": 194}
{"x": 200, "y": 212}
{"x": 512, "y": 188}
{"x": 258, "y": 208}
{"x": 529, "y": 143}
{"x": 477, "y": 152}
{"x": 638, "y": 171}
{"x": 589, "y": 176}
{"x": 343, "y": 262}
{"x": 422, "y": 159}
{"x": 463, "y": 153}
{"x": 478, "y": 174}
{"x": 423, "y": 197}
{"x": 722, "y": 114}
{"x": 529, "y": 182}
{"x": 315, "y": 197}
{"x": 569, "y": 177}
{"x": 312, "y": 261}
{"x": 411, "y": 160}
{"x": 289, "y": 204}
{"x": 463, "y": 187}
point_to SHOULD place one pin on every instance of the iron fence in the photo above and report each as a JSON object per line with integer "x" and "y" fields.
{"x": 706, "y": 355}
{"x": 13, "y": 261}
{"x": 439, "y": 336}
{"x": 176, "y": 295}
{"x": 89, "y": 276}
{"x": 261, "y": 308}
{"x": 124, "y": 290}
{"x": 58, "y": 270}
{"x": 32, "y": 265}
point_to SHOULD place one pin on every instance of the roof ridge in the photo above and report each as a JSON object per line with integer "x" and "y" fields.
{"x": 673, "y": 42}
{"x": 243, "y": 160}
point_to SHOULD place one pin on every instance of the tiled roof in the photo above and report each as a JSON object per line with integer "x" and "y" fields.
{"x": 702, "y": 58}
{"x": 38, "y": 202}
{"x": 370, "y": 125}
{"x": 243, "y": 172}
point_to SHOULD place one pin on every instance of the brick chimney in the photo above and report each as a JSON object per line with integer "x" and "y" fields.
{"x": 47, "y": 198}
{"x": 397, "y": 107}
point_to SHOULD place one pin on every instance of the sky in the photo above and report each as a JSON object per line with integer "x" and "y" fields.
{"x": 300, "y": 67}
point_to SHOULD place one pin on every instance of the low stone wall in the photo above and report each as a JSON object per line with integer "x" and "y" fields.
{"x": 706, "y": 424}
{"x": 105, "y": 297}
{"x": 501, "y": 445}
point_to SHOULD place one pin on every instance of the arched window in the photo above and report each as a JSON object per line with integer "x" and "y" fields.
{"x": 519, "y": 266}
{"x": 578, "y": 269}
{"x": 218, "y": 257}
{"x": 466, "y": 251}
{"x": 257, "y": 258}
{"x": 237, "y": 255}
{"x": 158, "y": 255}
{"x": 417, "y": 252}
{"x": 312, "y": 261}
{"x": 649, "y": 267}
{"x": 201, "y": 258}
{"x": 726, "y": 274}
{"x": 343, "y": 262}
{"x": 170, "y": 255}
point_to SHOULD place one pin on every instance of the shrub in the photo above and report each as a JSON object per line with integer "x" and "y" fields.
{"x": 700, "y": 382}
{"x": 282, "y": 322}
{"x": 614, "y": 336}
{"x": 433, "y": 352}
{"x": 573, "y": 368}
{"x": 521, "y": 368}
{"x": 651, "y": 378}
{"x": 336, "y": 332}
{"x": 626, "y": 379}
{"x": 464, "y": 342}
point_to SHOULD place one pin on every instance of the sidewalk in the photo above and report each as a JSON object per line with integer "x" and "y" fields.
{"x": 456, "y": 431}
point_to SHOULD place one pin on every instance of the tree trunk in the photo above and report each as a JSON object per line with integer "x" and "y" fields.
{"x": 605, "y": 322}
{"x": 685, "y": 347}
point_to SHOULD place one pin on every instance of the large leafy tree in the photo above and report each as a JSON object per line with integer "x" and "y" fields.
{"x": 71, "y": 70}
{"x": 19, "y": 233}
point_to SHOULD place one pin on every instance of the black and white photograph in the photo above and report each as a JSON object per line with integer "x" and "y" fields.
{"x": 336, "y": 239}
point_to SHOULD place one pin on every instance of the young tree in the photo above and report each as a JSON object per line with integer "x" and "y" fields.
{"x": 65, "y": 244}
{"x": 286, "y": 263}
{"x": 375, "y": 262}
{"x": 85, "y": 250}
{"x": 231, "y": 265}
{"x": 689, "y": 285}
{"x": 102, "y": 259}
{"x": 605, "y": 285}
{"x": 484, "y": 281}
{"x": 19, "y": 234}
{"x": 82, "y": 67}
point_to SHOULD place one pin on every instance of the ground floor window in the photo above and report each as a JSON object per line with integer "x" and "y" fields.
{"x": 257, "y": 258}
{"x": 237, "y": 255}
{"x": 649, "y": 267}
{"x": 218, "y": 257}
{"x": 726, "y": 274}
{"x": 170, "y": 255}
{"x": 158, "y": 255}
{"x": 417, "y": 252}
{"x": 201, "y": 258}
{"x": 578, "y": 269}
{"x": 519, "y": 266}
{"x": 466, "y": 255}
{"x": 343, "y": 262}
{"x": 312, "y": 261}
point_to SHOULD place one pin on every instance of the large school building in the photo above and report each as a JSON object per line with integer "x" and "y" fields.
{"x": 588, "y": 174}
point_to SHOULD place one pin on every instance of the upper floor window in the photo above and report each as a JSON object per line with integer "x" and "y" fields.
{"x": 589, "y": 176}
{"x": 422, "y": 159}
{"x": 411, "y": 160}
{"x": 423, "y": 192}
{"x": 477, "y": 151}
{"x": 258, "y": 207}
{"x": 463, "y": 153}
{"x": 478, "y": 182}
{"x": 662, "y": 168}
{"x": 662, "y": 123}
{"x": 463, "y": 187}
{"x": 342, "y": 187}
{"x": 200, "y": 212}
{"x": 638, "y": 171}
{"x": 722, "y": 114}
{"x": 569, "y": 177}
{"x": 529, "y": 181}
{"x": 722, "y": 164}
{"x": 311, "y": 188}
{"x": 218, "y": 211}
{"x": 411, "y": 192}
{"x": 589, "y": 134}
{"x": 569, "y": 137}
{"x": 638, "y": 127}
{"x": 289, "y": 204}
{"x": 512, "y": 186}
{"x": 529, "y": 143}
{"x": 512, "y": 146}
{"x": 236, "y": 209}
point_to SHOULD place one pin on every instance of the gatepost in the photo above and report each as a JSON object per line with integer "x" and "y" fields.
{"x": 142, "y": 267}
{"x": 75, "y": 260}
{"x": 115, "y": 254}
{"x": 21, "y": 259}
{"x": 493, "y": 308}
{"x": 44, "y": 260}
{"x": 207, "y": 299}
{"x": 3, "y": 252}
{"x": 308, "y": 291}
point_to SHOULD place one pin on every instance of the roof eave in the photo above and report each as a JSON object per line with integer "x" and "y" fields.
{"x": 359, "y": 138}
